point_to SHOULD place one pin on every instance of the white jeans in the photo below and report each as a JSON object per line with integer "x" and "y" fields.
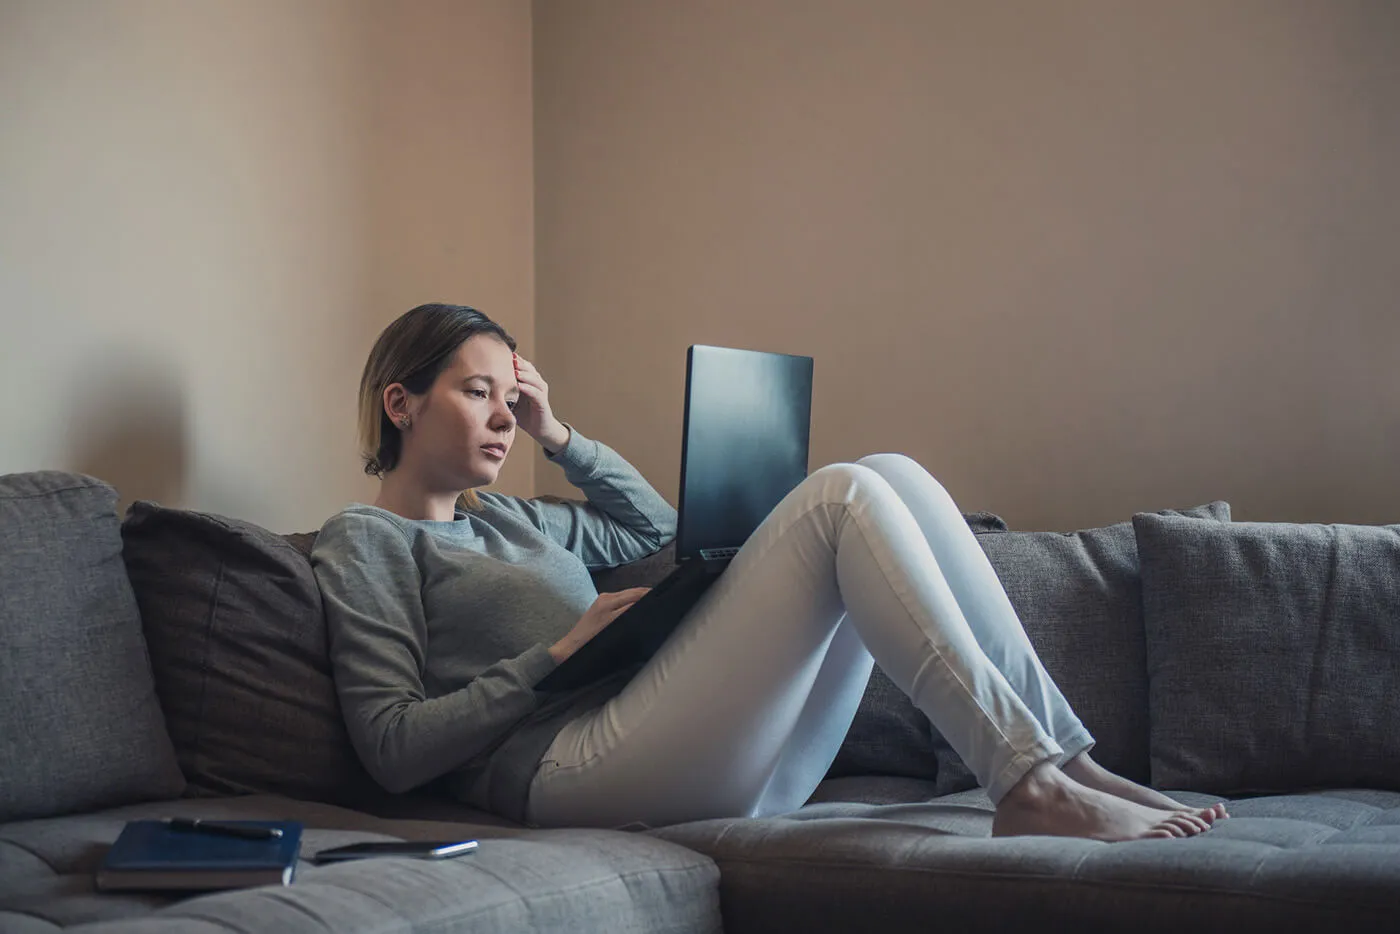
{"x": 744, "y": 708}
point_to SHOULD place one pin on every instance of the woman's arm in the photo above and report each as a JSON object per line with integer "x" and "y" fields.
{"x": 378, "y": 638}
{"x": 623, "y": 520}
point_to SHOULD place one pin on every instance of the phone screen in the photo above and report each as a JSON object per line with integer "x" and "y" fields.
{"x": 423, "y": 849}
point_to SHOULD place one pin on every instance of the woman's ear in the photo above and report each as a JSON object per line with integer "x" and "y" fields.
{"x": 396, "y": 403}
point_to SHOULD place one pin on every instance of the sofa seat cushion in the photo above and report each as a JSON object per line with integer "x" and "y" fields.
{"x": 519, "y": 880}
{"x": 1323, "y": 861}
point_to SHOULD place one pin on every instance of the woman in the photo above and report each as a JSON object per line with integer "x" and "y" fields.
{"x": 447, "y": 605}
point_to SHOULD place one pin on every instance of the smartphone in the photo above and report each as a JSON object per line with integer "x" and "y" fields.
{"x": 422, "y": 849}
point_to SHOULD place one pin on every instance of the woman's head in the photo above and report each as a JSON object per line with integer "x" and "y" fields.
{"x": 439, "y": 384}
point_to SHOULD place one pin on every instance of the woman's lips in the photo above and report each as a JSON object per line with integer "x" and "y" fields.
{"x": 496, "y": 452}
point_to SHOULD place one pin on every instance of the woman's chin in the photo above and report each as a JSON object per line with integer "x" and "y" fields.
{"x": 489, "y": 468}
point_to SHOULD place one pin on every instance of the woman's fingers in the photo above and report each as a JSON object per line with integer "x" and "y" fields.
{"x": 528, "y": 378}
{"x": 623, "y": 598}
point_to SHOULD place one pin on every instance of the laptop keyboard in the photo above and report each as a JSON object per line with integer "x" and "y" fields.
{"x": 711, "y": 554}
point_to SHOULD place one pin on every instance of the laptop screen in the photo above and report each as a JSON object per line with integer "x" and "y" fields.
{"x": 744, "y": 442}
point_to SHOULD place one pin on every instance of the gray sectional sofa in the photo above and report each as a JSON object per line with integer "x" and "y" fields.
{"x": 173, "y": 662}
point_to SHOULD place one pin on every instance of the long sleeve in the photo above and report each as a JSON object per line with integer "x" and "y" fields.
{"x": 371, "y": 587}
{"x": 624, "y": 519}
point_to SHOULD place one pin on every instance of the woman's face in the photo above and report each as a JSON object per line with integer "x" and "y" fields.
{"x": 467, "y": 410}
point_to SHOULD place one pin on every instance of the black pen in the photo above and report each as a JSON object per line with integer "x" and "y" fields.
{"x": 195, "y": 825}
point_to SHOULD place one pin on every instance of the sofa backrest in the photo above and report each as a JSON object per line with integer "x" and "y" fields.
{"x": 1079, "y": 596}
{"x": 239, "y": 649}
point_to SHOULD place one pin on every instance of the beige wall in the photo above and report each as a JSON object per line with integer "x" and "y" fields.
{"x": 1078, "y": 258}
{"x": 208, "y": 210}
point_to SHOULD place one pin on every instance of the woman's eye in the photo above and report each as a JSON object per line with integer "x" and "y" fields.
{"x": 478, "y": 392}
{"x": 512, "y": 405}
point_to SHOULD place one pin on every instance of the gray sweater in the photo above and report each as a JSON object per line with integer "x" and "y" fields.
{"x": 439, "y": 630}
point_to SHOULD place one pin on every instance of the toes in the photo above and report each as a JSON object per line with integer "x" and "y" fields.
{"x": 1190, "y": 823}
{"x": 1171, "y": 827}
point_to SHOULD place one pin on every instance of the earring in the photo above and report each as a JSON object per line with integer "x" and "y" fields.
{"x": 403, "y": 423}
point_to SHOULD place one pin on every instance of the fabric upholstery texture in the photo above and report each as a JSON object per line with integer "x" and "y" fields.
{"x": 1079, "y": 596}
{"x": 540, "y": 881}
{"x": 1273, "y": 654}
{"x": 238, "y": 643}
{"x": 1324, "y": 862}
{"x": 81, "y": 726}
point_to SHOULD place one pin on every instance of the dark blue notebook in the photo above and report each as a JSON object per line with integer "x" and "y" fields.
{"x": 151, "y": 855}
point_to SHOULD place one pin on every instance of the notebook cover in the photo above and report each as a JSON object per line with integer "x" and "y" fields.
{"x": 151, "y": 855}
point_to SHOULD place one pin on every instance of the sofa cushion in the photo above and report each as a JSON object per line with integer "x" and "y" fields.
{"x": 550, "y": 880}
{"x": 1317, "y": 862}
{"x": 233, "y": 617}
{"x": 1273, "y": 654}
{"x": 1079, "y": 597}
{"x": 81, "y": 727}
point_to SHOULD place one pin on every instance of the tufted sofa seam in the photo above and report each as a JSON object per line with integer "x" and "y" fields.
{"x": 39, "y": 856}
{"x": 516, "y": 897}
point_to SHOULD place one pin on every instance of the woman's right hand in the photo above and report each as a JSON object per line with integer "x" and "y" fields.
{"x": 605, "y": 609}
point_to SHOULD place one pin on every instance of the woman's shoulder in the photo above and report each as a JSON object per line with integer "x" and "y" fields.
{"x": 359, "y": 523}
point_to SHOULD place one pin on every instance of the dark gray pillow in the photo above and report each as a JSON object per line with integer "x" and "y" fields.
{"x": 233, "y": 617}
{"x": 1273, "y": 654}
{"x": 81, "y": 727}
{"x": 1078, "y": 594}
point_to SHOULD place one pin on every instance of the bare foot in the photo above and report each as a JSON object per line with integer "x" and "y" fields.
{"x": 1092, "y": 775}
{"x": 1047, "y": 801}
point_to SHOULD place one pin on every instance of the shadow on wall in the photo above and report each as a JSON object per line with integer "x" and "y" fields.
{"x": 130, "y": 429}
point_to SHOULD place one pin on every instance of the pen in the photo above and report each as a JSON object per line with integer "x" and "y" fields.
{"x": 223, "y": 829}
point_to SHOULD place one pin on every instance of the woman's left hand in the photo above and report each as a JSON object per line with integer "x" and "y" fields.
{"x": 533, "y": 414}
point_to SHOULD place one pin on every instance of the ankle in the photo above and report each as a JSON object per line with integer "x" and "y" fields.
{"x": 1039, "y": 784}
{"x": 1081, "y": 767}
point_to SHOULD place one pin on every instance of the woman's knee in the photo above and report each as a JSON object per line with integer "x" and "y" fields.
{"x": 892, "y": 464}
{"x": 845, "y": 483}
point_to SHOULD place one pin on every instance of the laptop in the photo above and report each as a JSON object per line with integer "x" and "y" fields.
{"x": 744, "y": 444}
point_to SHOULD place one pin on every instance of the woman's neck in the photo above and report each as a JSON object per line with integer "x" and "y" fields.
{"x": 402, "y": 496}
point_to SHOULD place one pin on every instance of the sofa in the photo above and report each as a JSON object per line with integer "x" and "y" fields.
{"x": 171, "y": 662}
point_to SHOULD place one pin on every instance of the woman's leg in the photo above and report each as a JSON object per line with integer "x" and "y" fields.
{"x": 981, "y": 597}
{"x": 710, "y": 726}
{"x": 994, "y": 622}
{"x": 703, "y": 727}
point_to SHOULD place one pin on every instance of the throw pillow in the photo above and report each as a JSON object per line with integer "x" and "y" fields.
{"x": 1273, "y": 654}
{"x": 238, "y": 642}
{"x": 1079, "y": 596}
{"x": 81, "y": 729}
